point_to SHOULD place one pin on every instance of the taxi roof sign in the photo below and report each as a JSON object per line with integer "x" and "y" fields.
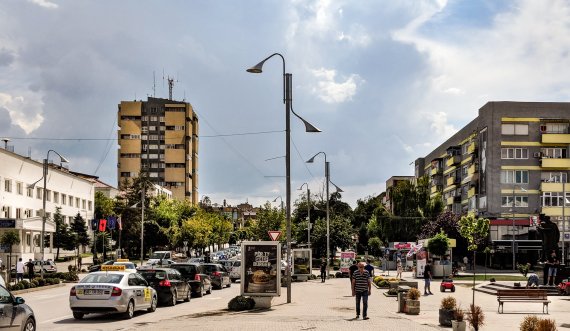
{"x": 123, "y": 260}
{"x": 113, "y": 268}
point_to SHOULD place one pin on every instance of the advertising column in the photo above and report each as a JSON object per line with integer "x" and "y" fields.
{"x": 261, "y": 269}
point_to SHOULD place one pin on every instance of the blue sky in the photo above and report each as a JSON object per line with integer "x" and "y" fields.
{"x": 386, "y": 81}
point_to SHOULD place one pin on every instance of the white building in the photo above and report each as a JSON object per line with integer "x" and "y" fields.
{"x": 21, "y": 200}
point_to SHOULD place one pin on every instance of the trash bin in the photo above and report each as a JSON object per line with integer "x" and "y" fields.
{"x": 402, "y": 292}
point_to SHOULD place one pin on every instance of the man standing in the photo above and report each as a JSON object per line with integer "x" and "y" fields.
{"x": 552, "y": 268}
{"x": 361, "y": 286}
{"x": 323, "y": 270}
{"x": 370, "y": 268}
{"x": 19, "y": 270}
{"x": 352, "y": 269}
{"x": 30, "y": 266}
{"x": 466, "y": 262}
{"x": 427, "y": 278}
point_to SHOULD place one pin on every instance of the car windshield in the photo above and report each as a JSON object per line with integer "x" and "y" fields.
{"x": 102, "y": 278}
{"x": 157, "y": 255}
{"x": 185, "y": 270}
{"x": 151, "y": 275}
{"x": 127, "y": 265}
{"x": 210, "y": 268}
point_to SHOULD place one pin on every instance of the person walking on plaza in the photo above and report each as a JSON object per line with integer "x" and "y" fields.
{"x": 552, "y": 268}
{"x": 19, "y": 270}
{"x": 323, "y": 271}
{"x": 370, "y": 268}
{"x": 399, "y": 270}
{"x": 30, "y": 266}
{"x": 361, "y": 289}
{"x": 427, "y": 278}
{"x": 352, "y": 269}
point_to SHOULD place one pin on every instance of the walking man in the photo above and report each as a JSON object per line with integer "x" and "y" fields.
{"x": 361, "y": 286}
{"x": 370, "y": 268}
{"x": 30, "y": 266}
{"x": 323, "y": 271}
{"x": 19, "y": 270}
{"x": 427, "y": 278}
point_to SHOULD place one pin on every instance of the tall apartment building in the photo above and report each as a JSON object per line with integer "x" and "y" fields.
{"x": 160, "y": 137}
{"x": 509, "y": 164}
{"x": 390, "y": 184}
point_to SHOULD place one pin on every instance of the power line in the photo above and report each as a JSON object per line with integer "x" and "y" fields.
{"x": 107, "y": 146}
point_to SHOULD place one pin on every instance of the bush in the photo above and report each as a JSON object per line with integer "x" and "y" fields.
{"x": 378, "y": 279}
{"x": 338, "y": 275}
{"x": 545, "y": 324}
{"x": 476, "y": 318}
{"x": 240, "y": 303}
{"x": 458, "y": 314}
{"x": 383, "y": 283}
{"x": 413, "y": 294}
{"x": 529, "y": 323}
{"x": 448, "y": 303}
{"x": 25, "y": 284}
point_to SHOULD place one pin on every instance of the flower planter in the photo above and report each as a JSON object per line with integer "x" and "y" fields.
{"x": 458, "y": 326}
{"x": 412, "y": 307}
{"x": 445, "y": 316}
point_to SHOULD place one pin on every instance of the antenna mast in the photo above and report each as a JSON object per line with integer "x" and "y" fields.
{"x": 153, "y": 84}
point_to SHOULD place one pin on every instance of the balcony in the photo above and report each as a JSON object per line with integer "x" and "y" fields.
{"x": 451, "y": 180}
{"x": 471, "y": 192}
{"x": 555, "y": 138}
{"x": 554, "y": 211}
{"x": 472, "y": 148}
{"x": 555, "y": 163}
{"x": 435, "y": 189}
{"x": 472, "y": 170}
{"x": 453, "y": 160}
{"x": 552, "y": 187}
{"x": 436, "y": 171}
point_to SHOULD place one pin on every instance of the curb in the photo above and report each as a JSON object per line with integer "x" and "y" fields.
{"x": 47, "y": 287}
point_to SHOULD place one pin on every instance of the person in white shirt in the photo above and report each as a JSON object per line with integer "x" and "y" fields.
{"x": 19, "y": 270}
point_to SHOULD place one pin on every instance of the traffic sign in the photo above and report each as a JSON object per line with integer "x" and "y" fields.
{"x": 274, "y": 235}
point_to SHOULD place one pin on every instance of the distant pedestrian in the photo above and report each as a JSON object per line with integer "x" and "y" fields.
{"x": 361, "y": 289}
{"x": 427, "y": 278}
{"x": 79, "y": 263}
{"x": 352, "y": 269}
{"x": 532, "y": 280}
{"x": 552, "y": 268}
{"x": 30, "y": 266}
{"x": 19, "y": 270}
{"x": 399, "y": 270}
{"x": 466, "y": 262}
{"x": 369, "y": 267}
{"x": 323, "y": 271}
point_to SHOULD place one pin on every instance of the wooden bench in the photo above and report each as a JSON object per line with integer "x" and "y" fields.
{"x": 522, "y": 295}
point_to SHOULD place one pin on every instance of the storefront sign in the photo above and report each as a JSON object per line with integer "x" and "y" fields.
{"x": 7, "y": 223}
{"x": 261, "y": 268}
{"x": 302, "y": 261}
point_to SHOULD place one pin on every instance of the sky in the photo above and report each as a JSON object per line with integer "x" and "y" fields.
{"x": 386, "y": 81}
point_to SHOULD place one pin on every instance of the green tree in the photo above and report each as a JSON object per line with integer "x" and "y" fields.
{"x": 375, "y": 246}
{"x": 475, "y": 230}
{"x": 8, "y": 239}
{"x": 197, "y": 230}
{"x": 61, "y": 237}
{"x": 268, "y": 219}
{"x": 78, "y": 229}
{"x": 340, "y": 235}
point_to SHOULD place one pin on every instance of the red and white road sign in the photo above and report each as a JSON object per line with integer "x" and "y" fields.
{"x": 274, "y": 235}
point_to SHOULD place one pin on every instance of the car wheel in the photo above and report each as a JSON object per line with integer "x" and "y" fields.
{"x": 188, "y": 295}
{"x": 174, "y": 298}
{"x": 201, "y": 293}
{"x": 229, "y": 284}
{"x": 209, "y": 291}
{"x": 153, "y": 304}
{"x": 78, "y": 315}
{"x": 130, "y": 310}
{"x": 233, "y": 280}
{"x": 30, "y": 325}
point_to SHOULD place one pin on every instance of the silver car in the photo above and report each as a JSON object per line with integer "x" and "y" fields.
{"x": 16, "y": 315}
{"x": 112, "y": 292}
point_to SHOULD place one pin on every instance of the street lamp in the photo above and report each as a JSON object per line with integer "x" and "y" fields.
{"x": 275, "y": 200}
{"x": 308, "y": 213}
{"x": 513, "y": 226}
{"x": 44, "y": 196}
{"x": 287, "y": 99}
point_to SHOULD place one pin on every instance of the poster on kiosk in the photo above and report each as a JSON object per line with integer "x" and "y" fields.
{"x": 302, "y": 262}
{"x": 261, "y": 268}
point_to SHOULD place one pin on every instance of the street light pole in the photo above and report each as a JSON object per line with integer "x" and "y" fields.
{"x": 308, "y": 213}
{"x": 513, "y": 237}
{"x": 563, "y": 223}
{"x": 287, "y": 99}
{"x": 142, "y": 224}
{"x": 327, "y": 179}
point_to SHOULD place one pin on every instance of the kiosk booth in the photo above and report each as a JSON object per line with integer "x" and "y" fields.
{"x": 441, "y": 265}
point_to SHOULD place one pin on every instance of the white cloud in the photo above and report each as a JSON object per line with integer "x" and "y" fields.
{"x": 438, "y": 125}
{"x": 330, "y": 91}
{"x": 25, "y": 111}
{"x": 44, "y": 3}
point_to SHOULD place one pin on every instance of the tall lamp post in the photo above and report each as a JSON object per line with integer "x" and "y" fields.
{"x": 287, "y": 99}
{"x": 280, "y": 198}
{"x": 308, "y": 213}
{"x": 513, "y": 227}
{"x": 44, "y": 196}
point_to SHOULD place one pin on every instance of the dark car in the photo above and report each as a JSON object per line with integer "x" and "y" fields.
{"x": 16, "y": 315}
{"x": 194, "y": 274}
{"x": 219, "y": 275}
{"x": 97, "y": 267}
{"x": 168, "y": 283}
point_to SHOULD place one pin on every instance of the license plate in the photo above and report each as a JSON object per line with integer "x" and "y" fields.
{"x": 93, "y": 292}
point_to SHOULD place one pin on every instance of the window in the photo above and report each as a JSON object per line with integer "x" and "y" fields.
{"x": 89, "y": 205}
{"x": 83, "y": 204}
{"x": 7, "y": 211}
{"x": 515, "y": 129}
{"x": 48, "y": 195}
{"x": 514, "y": 153}
{"x": 56, "y": 197}
{"x": 8, "y": 185}
{"x": 554, "y": 128}
{"x": 514, "y": 176}
{"x": 20, "y": 188}
{"x": 465, "y": 170}
{"x": 18, "y": 213}
{"x": 520, "y": 201}
{"x": 39, "y": 193}
{"x": 554, "y": 199}
{"x": 77, "y": 202}
{"x": 553, "y": 177}
{"x": 70, "y": 201}
{"x": 554, "y": 153}
{"x": 30, "y": 192}
{"x": 63, "y": 199}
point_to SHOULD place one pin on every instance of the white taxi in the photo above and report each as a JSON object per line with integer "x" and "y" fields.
{"x": 112, "y": 290}
{"x": 129, "y": 266}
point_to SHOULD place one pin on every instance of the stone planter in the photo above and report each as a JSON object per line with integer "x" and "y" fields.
{"x": 412, "y": 307}
{"x": 458, "y": 326}
{"x": 445, "y": 316}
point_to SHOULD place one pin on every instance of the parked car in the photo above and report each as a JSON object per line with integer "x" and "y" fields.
{"x": 168, "y": 283}
{"x": 49, "y": 267}
{"x": 233, "y": 267}
{"x": 219, "y": 275}
{"x": 194, "y": 274}
{"x": 112, "y": 292}
{"x": 16, "y": 315}
{"x": 97, "y": 267}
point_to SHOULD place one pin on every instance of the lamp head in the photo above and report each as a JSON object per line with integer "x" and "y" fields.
{"x": 310, "y": 128}
{"x": 257, "y": 69}
{"x": 63, "y": 160}
{"x": 311, "y": 160}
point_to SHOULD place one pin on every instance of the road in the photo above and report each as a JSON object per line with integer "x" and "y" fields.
{"x": 52, "y": 310}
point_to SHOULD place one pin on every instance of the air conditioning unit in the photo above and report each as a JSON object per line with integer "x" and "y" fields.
{"x": 537, "y": 154}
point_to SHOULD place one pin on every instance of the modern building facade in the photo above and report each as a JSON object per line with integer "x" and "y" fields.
{"x": 21, "y": 202}
{"x": 159, "y": 137}
{"x": 509, "y": 164}
{"x": 390, "y": 183}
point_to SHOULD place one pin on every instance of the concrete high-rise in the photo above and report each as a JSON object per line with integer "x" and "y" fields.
{"x": 159, "y": 137}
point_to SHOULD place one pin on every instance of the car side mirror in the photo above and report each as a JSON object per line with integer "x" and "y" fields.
{"x": 19, "y": 301}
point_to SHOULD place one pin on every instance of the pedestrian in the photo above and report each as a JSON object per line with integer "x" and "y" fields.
{"x": 552, "y": 268}
{"x": 79, "y": 262}
{"x": 399, "y": 270}
{"x": 532, "y": 280}
{"x": 466, "y": 262}
{"x": 361, "y": 286}
{"x": 369, "y": 267}
{"x": 427, "y": 278}
{"x": 19, "y": 270}
{"x": 323, "y": 271}
{"x": 30, "y": 266}
{"x": 352, "y": 269}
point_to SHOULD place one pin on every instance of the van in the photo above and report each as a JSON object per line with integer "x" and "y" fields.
{"x": 233, "y": 267}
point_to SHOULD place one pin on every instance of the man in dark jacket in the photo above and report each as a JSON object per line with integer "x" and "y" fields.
{"x": 323, "y": 270}
{"x": 352, "y": 269}
{"x": 30, "y": 266}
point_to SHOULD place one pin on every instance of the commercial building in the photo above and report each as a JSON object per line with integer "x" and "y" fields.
{"x": 21, "y": 202}
{"x": 509, "y": 164}
{"x": 159, "y": 137}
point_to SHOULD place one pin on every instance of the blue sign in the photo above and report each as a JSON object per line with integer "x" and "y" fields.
{"x": 7, "y": 223}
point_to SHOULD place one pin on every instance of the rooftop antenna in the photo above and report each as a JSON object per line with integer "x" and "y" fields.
{"x": 171, "y": 81}
{"x": 153, "y": 84}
